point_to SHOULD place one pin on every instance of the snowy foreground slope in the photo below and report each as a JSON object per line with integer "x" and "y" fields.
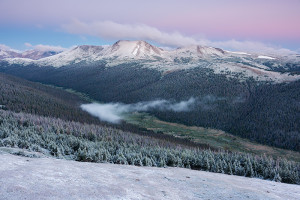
{"x": 48, "y": 178}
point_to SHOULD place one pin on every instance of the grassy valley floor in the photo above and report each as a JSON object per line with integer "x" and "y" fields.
{"x": 215, "y": 138}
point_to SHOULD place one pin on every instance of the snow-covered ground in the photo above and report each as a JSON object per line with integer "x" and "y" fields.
{"x": 49, "y": 178}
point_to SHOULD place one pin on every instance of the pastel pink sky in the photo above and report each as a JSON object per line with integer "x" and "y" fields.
{"x": 257, "y": 20}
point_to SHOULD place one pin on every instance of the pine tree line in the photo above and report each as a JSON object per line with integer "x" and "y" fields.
{"x": 95, "y": 143}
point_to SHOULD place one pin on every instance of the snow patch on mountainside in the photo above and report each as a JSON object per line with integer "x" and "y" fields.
{"x": 240, "y": 53}
{"x": 233, "y": 69}
{"x": 49, "y": 178}
{"x": 266, "y": 57}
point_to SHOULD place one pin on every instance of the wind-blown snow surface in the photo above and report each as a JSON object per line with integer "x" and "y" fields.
{"x": 48, "y": 178}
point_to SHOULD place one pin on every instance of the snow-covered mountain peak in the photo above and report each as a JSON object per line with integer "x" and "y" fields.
{"x": 133, "y": 49}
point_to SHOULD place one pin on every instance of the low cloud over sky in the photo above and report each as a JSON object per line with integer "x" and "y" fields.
{"x": 116, "y": 31}
{"x": 42, "y": 47}
{"x": 113, "y": 30}
{"x": 241, "y": 25}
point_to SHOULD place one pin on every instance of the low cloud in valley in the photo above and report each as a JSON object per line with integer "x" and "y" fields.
{"x": 113, "y": 112}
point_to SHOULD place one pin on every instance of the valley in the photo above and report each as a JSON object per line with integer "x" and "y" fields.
{"x": 207, "y": 137}
{"x": 53, "y": 133}
{"x": 261, "y": 111}
{"x": 216, "y": 139}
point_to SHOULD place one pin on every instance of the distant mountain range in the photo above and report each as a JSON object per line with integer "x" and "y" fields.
{"x": 33, "y": 54}
{"x": 261, "y": 67}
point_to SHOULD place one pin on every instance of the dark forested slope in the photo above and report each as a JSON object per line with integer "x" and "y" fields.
{"x": 20, "y": 95}
{"x": 261, "y": 111}
{"x": 95, "y": 143}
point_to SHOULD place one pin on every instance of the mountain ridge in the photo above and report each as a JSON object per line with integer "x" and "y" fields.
{"x": 33, "y": 54}
{"x": 142, "y": 49}
{"x": 230, "y": 64}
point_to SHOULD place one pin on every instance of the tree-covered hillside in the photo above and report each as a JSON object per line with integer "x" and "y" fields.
{"x": 94, "y": 143}
{"x": 264, "y": 112}
{"x": 20, "y": 95}
{"x": 63, "y": 135}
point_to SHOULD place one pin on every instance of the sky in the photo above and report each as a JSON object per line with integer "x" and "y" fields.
{"x": 248, "y": 25}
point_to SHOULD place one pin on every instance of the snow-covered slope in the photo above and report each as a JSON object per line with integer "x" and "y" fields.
{"x": 265, "y": 57}
{"x": 35, "y": 54}
{"x": 8, "y": 54}
{"x": 147, "y": 55}
{"x": 84, "y": 53}
{"x": 133, "y": 49}
{"x": 237, "y": 52}
{"x": 196, "y": 51}
{"x": 48, "y": 178}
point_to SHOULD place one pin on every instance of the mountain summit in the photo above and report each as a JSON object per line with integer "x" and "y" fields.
{"x": 133, "y": 49}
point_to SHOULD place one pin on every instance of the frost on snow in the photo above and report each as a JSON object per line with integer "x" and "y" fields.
{"x": 48, "y": 178}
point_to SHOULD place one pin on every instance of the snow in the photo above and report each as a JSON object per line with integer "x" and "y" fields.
{"x": 123, "y": 51}
{"x": 3, "y": 53}
{"x": 249, "y": 71}
{"x": 132, "y": 49}
{"x": 7, "y": 53}
{"x": 240, "y": 53}
{"x": 266, "y": 57}
{"x": 135, "y": 50}
{"x": 78, "y": 54}
{"x": 196, "y": 51}
{"x": 49, "y": 178}
{"x": 20, "y": 61}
